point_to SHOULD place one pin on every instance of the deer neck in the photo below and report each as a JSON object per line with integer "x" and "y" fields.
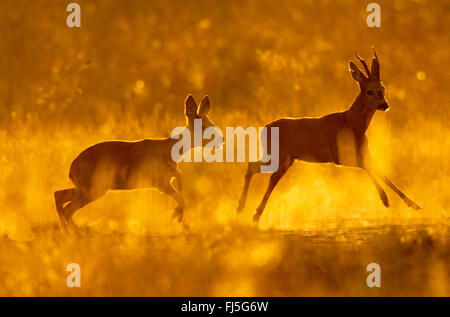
{"x": 181, "y": 135}
{"x": 358, "y": 117}
{"x": 178, "y": 136}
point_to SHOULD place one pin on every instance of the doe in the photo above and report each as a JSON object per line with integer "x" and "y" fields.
{"x": 116, "y": 165}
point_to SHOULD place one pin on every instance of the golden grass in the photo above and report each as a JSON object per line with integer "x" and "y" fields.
{"x": 231, "y": 261}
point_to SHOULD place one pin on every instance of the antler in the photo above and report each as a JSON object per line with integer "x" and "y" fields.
{"x": 363, "y": 62}
{"x": 374, "y": 53}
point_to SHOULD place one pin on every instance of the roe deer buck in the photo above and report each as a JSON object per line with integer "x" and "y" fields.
{"x": 127, "y": 165}
{"x": 337, "y": 138}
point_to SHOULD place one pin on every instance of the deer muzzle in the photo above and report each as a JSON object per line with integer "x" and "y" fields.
{"x": 383, "y": 107}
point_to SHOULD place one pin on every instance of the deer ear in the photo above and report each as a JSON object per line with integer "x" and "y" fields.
{"x": 190, "y": 107}
{"x": 357, "y": 73}
{"x": 204, "y": 107}
{"x": 375, "y": 69}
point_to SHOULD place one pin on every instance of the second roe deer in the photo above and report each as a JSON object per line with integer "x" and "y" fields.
{"x": 338, "y": 138}
{"x": 116, "y": 165}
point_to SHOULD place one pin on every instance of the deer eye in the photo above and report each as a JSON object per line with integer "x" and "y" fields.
{"x": 370, "y": 92}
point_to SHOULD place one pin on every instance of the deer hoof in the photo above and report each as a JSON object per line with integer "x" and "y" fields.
{"x": 412, "y": 204}
{"x": 256, "y": 217}
{"x": 384, "y": 199}
{"x": 178, "y": 215}
{"x": 239, "y": 207}
{"x": 64, "y": 225}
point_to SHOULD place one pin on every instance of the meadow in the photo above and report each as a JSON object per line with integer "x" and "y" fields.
{"x": 125, "y": 74}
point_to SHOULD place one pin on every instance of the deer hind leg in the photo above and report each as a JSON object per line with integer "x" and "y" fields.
{"x": 274, "y": 179}
{"x": 252, "y": 169}
{"x": 62, "y": 197}
{"x": 80, "y": 200}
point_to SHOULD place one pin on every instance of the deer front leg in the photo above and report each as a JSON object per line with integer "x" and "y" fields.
{"x": 407, "y": 201}
{"x": 178, "y": 196}
{"x": 366, "y": 162}
{"x": 380, "y": 190}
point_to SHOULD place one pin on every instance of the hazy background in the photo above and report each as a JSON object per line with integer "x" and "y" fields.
{"x": 125, "y": 74}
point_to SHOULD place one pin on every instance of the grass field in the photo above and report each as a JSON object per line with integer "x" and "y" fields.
{"x": 236, "y": 260}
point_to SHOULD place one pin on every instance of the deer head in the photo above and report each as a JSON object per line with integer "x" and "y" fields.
{"x": 372, "y": 89}
{"x": 192, "y": 112}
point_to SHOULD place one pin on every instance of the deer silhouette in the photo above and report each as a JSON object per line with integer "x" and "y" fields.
{"x": 122, "y": 165}
{"x": 338, "y": 138}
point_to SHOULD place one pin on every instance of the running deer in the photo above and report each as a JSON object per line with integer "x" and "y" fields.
{"x": 121, "y": 165}
{"x": 338, "y": 138}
